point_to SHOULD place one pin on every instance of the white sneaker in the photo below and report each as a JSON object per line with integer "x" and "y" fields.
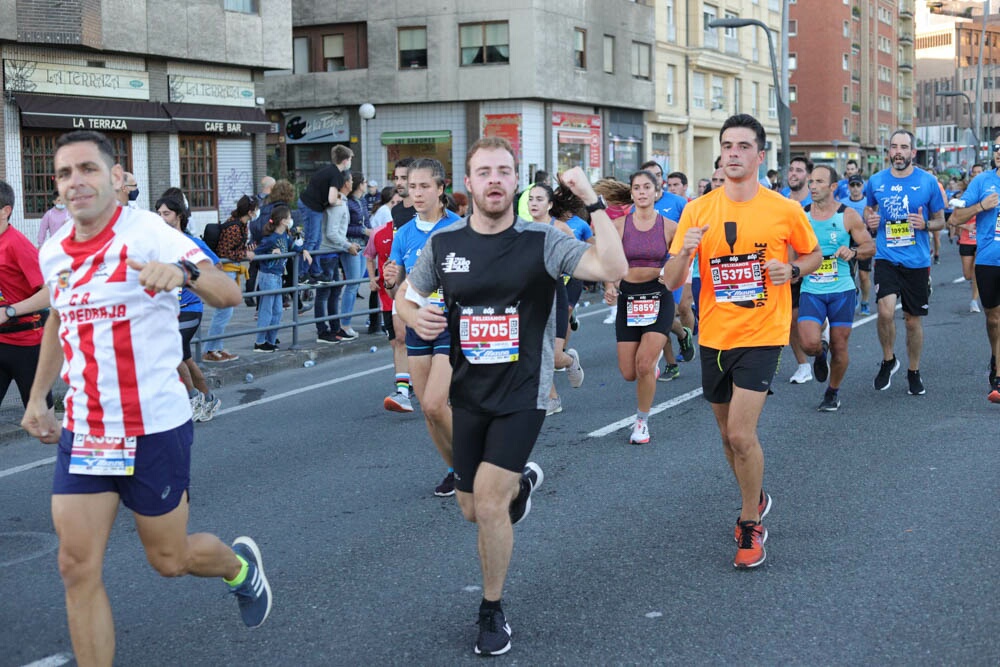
{"x": 209, "y": 408}
{"x": 398, "y": 402}
{"x": 197, "y": 404}
{"x": 575, "y": 372}
{"x": 351, "y": 333}
{"x": 802, "y": 375}
{"x": 640, "y": 433}
{"x": 555, "y": 406}
{"x": 974, "y": 307}
{"x": 612, "y": 315}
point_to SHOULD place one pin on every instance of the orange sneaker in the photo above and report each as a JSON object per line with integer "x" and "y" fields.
{"x": 763, "y": 507}
{"x": 751, "y": 545}
{"x": 994, "y": 395}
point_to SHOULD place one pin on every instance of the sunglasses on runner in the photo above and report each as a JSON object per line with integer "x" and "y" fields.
{"x": 996, "y": 147}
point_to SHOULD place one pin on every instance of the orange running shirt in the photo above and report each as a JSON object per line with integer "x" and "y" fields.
{"x": 739, "y": 306}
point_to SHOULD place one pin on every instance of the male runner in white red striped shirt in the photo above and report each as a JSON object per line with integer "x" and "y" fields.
{"x": 113, "y": 275}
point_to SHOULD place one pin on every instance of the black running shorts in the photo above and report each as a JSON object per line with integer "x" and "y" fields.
{"x": 910, "y": 285}
{"x": 988, "y": 281}
{"x": 664, "y": 319}
{"x": 750, "y": 368}
{"x": 505, "y": 441}
{"x": 967, "y": 249}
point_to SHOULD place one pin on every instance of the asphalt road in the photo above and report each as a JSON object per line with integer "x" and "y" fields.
{"x": 882, "y": 545}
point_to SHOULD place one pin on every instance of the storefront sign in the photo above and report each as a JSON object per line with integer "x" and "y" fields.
{"x": 92, "y": 114}
{"x": 30, "y": 76}
{"x": 578, "y": 128}
{"x": 506, "y": 125}
{"x": 193, "y": 90}
{"x": 325, "y": 126}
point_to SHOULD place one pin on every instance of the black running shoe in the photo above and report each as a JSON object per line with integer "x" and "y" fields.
{"x": 821, "y": 368}
{"x": 687, "y": 345}
{"x": 447, "y": 486}
{"x": 916, "y": 386}
{"x": 831, "y": 402}
{"x": 494, "y": 633}
{"x": 531, "y": 479}
{"x": 885, "y": 372}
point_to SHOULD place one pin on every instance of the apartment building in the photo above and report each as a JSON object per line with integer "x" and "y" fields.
{"x": 704, "y": 75}
{"x": 174, "y": 85}
{"x": 851, "y": 68}
{"x": 567, "y": 83}
{"x": 947, "y": 51}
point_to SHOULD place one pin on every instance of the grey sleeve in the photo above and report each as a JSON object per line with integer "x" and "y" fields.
{"x": 562, "y": 252}
{"x": 423, "y": 275}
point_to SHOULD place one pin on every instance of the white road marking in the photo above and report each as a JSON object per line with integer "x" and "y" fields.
{"x": 27, "y": 466}
{"x": 52, "y": 660}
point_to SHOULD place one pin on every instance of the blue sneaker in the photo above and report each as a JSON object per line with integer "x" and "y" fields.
{"x": 864, "y": 309}
{"x": 254, "y": 594}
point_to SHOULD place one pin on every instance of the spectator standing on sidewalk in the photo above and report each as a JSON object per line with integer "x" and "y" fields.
{"x": 53, "y": 219}
{"x": 327, "y": 296}
{"x": 276, "y": 241}
{"x": 323, "y": 191}
{"x": 233, "y": 250}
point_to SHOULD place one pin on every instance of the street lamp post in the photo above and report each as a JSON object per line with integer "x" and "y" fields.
{"x": 975, "y": 132}
{"x": 366, "y": 111}
{"x": 784, "y": 112}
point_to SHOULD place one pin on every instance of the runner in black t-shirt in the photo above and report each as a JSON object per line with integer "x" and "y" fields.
{"x": 402, "y": 212}
{"x": 498, "y": 274}
{"x": 322, "y": 192}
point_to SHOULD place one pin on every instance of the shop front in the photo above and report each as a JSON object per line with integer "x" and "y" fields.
{"x": 578, "y": 139}
{"x": 309, "y": 135}
{"x": 435, "y": 144}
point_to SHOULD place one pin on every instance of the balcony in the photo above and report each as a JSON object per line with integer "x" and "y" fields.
{"x": 905, "y": 91}
{"x": 905, "y": 64}
{"x": 855, "y": 75}
{"x": 906, "y": 118}
{"x": 710, "y": 39}
{"x": 905, "y": 12}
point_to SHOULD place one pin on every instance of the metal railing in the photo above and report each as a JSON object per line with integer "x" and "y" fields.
{"x": 295, "y": 288}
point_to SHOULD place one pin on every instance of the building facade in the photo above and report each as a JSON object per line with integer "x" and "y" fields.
{"x": 567, "y": 83}
{"x": 704, "y": 75}
{"x": 947, "y": 49}
{"x": 174, "y": 85}
{"x": 851, "y": 68}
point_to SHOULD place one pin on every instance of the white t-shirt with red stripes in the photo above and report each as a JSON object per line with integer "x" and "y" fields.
{"x": 121, "y": 343}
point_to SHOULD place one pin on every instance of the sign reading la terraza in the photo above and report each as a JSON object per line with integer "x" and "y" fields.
{"x": 29, "y": 76}
{"x": 192, "y": 90}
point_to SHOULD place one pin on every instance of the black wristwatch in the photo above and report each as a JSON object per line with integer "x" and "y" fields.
{"x": 191, "y": 271}
{"x": 10, "y": 312}
{"x": 796, "y": 271}
{"x": 598, "y": 205}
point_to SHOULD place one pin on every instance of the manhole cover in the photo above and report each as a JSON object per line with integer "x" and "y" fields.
{"x": 19, "y": 547}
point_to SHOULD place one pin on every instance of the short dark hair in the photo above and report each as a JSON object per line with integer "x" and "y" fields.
{"x": 99, "y": 139}
{"x": 834, "y": 176}
{"x": 402, "y": 163}
{"x": 679, "y": 174}
{"x": 748, "y": 121}
{"x": 804, "y": 160}
{"x": 488, "y": 143}
{"x": 6, "y": 195}
{"x": 540, "y": 175}
{"x": 854, "y": 162}
{"x": 340, "y": 153}
{"x": 907, "y": 133}
{"x": 650, "y": 163}
{"x": 175, "y": 204}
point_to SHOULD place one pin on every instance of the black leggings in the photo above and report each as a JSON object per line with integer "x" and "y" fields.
{"x": 18, "y": 363}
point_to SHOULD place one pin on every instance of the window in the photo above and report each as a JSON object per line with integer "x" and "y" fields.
{"x": 671, "y": 83}
{"x": 755, "y": 100}
{"x": 640, "y": 60}
{"x": 793, "y": 61}
{"x": 38, "y": 149}
{"x": 772, "y": 103}
{"x": 580, "y": 48}
{"x": 698, "y": 90}
{"x": 710, "y": 38}
{"x": 793, "y": 28}
{"x": 846, "y": 128}
{"x": 609, "y": 54}
{"x": 846, "y": 93}
{"x": 793, "y": 94}
{"x": 484, "y": 43}
{"x": 242, "y": 6}
{"x": 671, "y": 22}
{"x": 732, "y": 40}
{"x": 718, "y": 93}
{"x": 333, "y": 53}
{"x": 845, "y": 62}
{"x": 847, "y": 29}
{"x": 198, "y": 171}
{"x": 412, "y": 48}
{"x": 737, "y": 95}
{"x": 300, "y": 55}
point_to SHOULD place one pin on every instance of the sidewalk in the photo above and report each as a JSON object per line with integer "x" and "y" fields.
{"x": 259, "y": 364}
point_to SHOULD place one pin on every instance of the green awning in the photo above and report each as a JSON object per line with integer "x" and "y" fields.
{"x": 428, "y": 137}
